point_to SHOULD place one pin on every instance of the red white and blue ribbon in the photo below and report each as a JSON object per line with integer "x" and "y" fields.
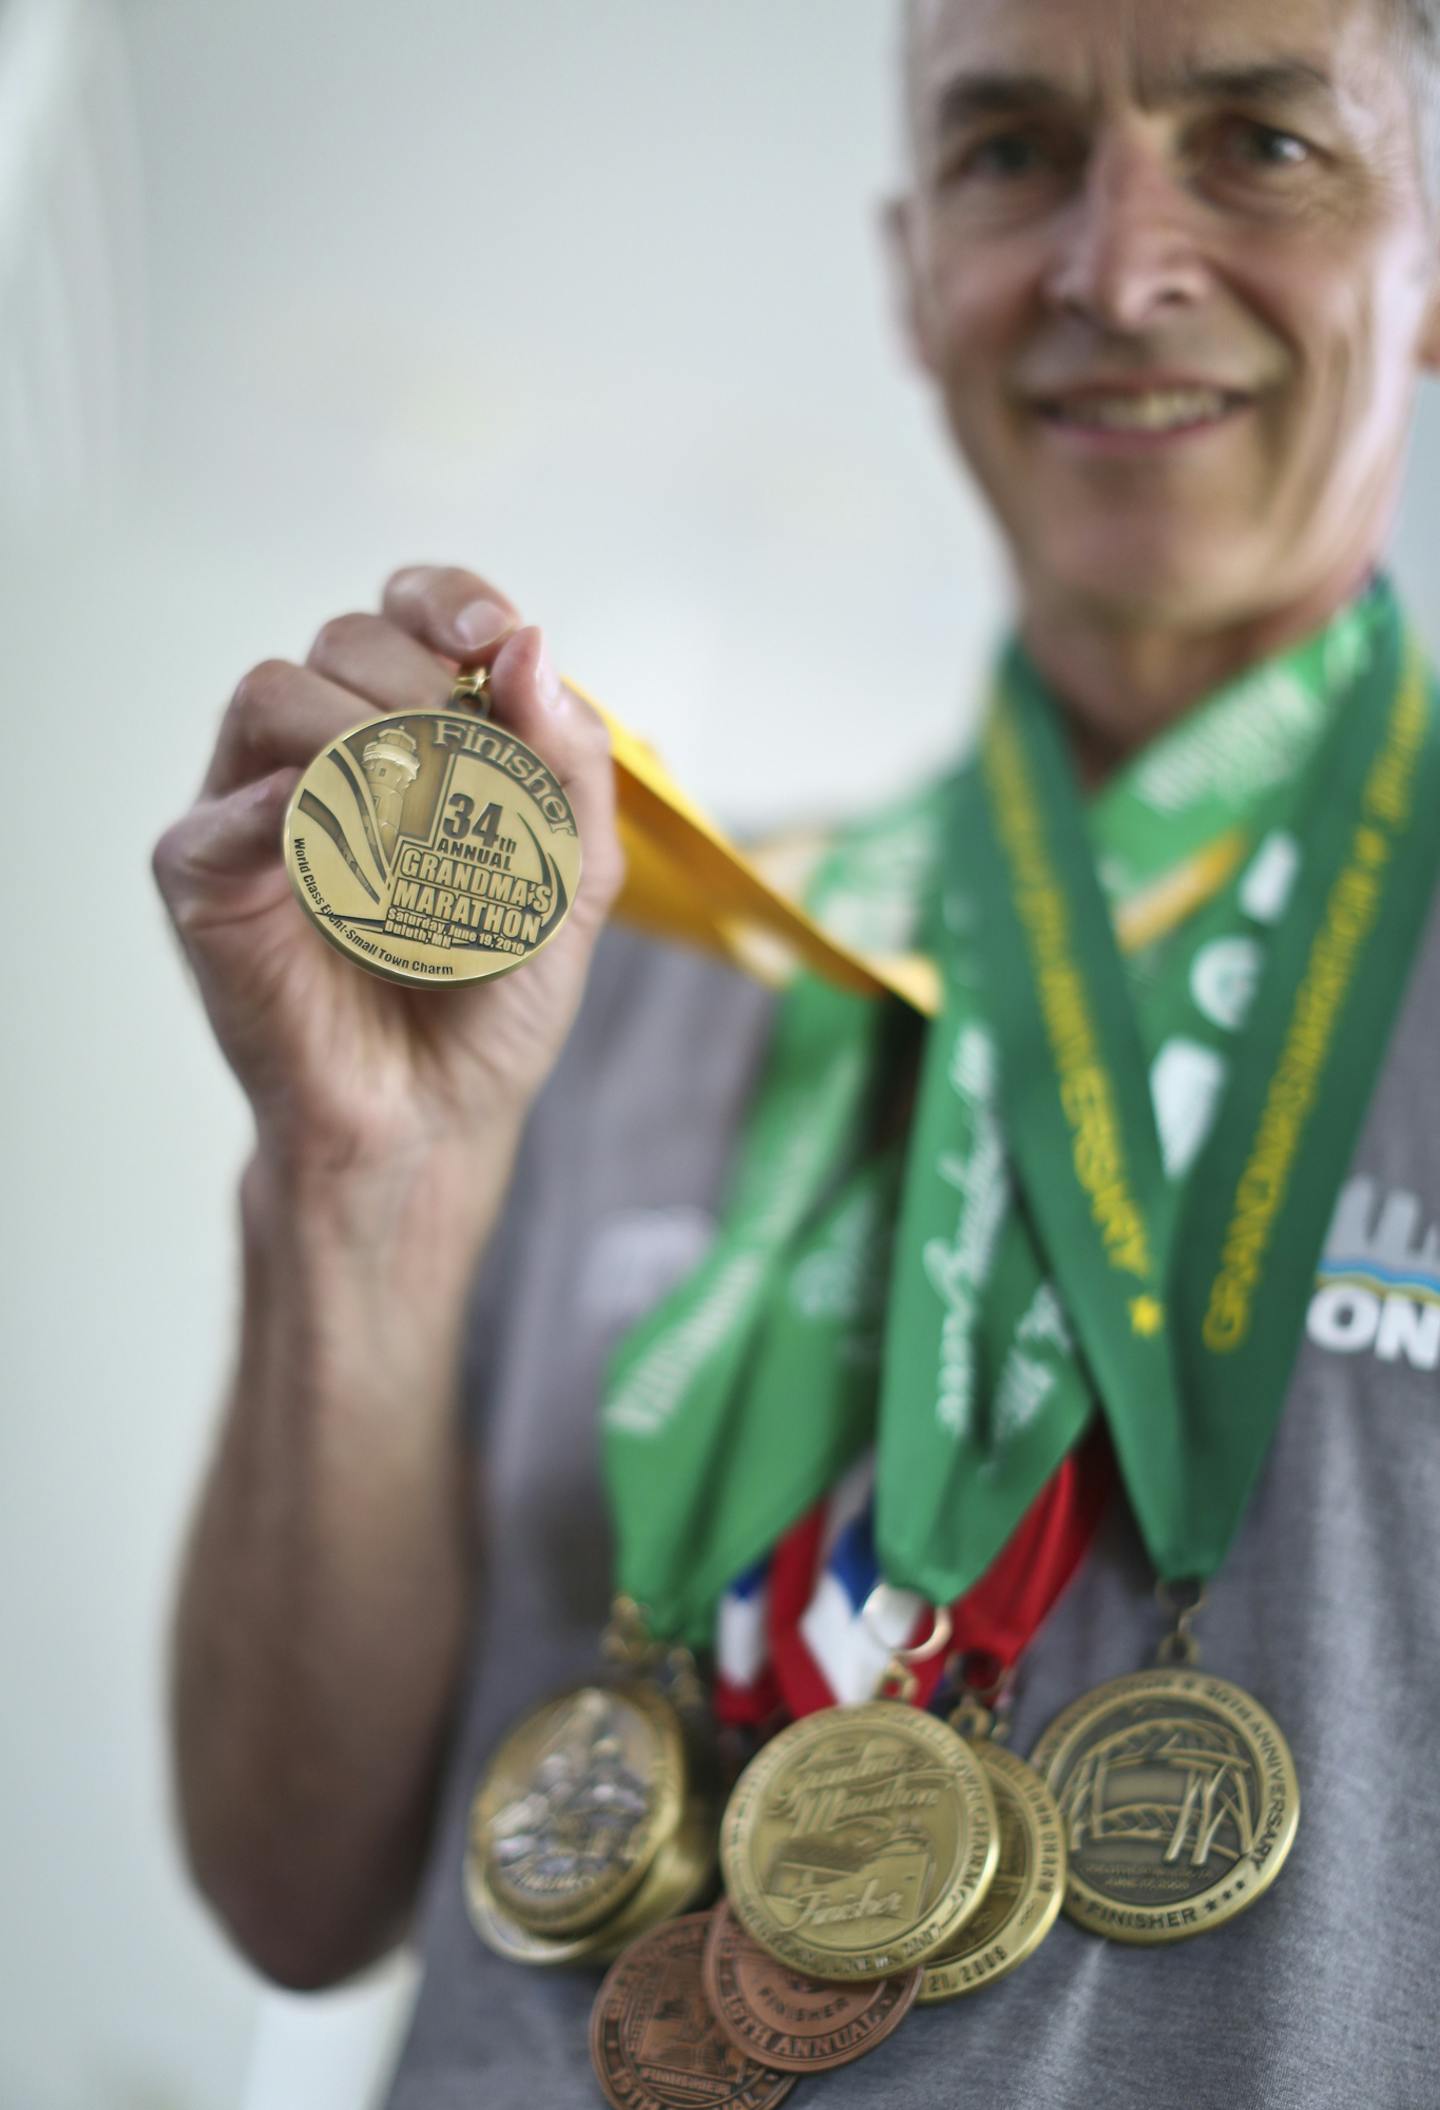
{"x": 815, "y": 1625}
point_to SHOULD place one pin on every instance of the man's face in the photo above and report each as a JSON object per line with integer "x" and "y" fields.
{"x": 1172, "y": 266}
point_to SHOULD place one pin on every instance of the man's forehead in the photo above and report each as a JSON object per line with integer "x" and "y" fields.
{"x": 1157, "y": 43}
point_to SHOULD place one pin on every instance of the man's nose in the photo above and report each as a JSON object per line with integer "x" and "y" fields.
{"x": 1127, "y": 251}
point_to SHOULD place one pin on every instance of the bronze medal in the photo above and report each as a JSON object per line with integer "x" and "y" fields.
{"x": 655, "y": 2044}
{"x": 1024, "y": 1899}
{"x": 1180, "y": 1803}
{"x": 859, "y": 1841}
{"x": 432, "y": 847}
{"x": 575, "y": 1805}
{"x": 801, "y": 2025}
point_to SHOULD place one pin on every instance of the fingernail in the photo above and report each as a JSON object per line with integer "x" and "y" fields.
{"x": 480, "y": 623}
{"x": 548, "y": 684}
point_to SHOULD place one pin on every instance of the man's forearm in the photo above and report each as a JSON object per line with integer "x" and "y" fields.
{"x": 328, "y": 1585}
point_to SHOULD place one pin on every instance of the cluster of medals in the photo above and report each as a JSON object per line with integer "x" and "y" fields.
{"x": 874, "y": 1857}
{"x": 878, "y": 1855}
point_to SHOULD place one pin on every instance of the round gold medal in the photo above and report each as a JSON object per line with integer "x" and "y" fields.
{"x": 575, "y": 1805}
{"x": 859, "y": 1841}
{"x": 433, "y": 848}
{"x": 1180, "y": 1803}
{"x": 1023, "y": 1901}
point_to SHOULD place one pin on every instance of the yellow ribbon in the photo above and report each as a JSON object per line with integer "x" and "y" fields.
{"x": 685, "y": 879}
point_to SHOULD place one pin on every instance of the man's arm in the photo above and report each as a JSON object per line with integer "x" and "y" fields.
{"x": 328, "y": 1585}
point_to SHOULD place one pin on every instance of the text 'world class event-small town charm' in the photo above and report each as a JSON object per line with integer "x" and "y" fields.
{"x": 433, "y": 847}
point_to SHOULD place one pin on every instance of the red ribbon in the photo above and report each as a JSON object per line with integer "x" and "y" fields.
{"x": 995, "y": 1620}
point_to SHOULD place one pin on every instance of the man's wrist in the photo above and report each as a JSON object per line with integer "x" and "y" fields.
{"x": 420, "y": 1218}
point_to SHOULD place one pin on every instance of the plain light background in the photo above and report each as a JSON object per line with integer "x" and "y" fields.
{"x": 584, "y": 293}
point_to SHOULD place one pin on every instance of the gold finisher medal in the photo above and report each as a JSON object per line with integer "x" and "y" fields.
{"x": 859, "y": 1841}
{"x": 1023, "y": 1901}
{"x": 1180, "y": 1803}
{"x": 433, "y": 847}
{"x": 576, "y": 1804}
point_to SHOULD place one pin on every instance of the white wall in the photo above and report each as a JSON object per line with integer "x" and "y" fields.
{"x": 584, "y": 292}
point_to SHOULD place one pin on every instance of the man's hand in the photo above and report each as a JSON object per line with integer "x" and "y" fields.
{"x": 346, "y": 1071}
{"x": 330, "y": 1583}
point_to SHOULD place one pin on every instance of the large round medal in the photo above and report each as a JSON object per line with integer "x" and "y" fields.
{"x": 859, "y": 1841}
{"x": 575, "y": 1804}
{"x": 654, "y": 2043}
{"x": 1180, "y": 1803}
{"x": 1023, "y": 1901}
{"x": 433, "y": 848}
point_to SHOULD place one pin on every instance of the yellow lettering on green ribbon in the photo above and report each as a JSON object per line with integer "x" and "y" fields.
{"x": 1350, "y": 915}
{"x": 1087, "y": 1092}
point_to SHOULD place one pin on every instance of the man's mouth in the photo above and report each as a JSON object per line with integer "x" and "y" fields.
{"x": 1157, "y": 410}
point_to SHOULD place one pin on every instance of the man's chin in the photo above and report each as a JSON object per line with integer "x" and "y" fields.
{"x": 1139, "y": 579}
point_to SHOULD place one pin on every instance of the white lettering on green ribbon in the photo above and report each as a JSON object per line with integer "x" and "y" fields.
{"x": 959, "y": 1270}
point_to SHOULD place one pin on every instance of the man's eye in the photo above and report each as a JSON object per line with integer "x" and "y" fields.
{"x": 1254, "y": 145}
{"x": 1004, "y": 154}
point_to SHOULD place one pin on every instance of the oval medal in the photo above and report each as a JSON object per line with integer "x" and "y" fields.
{"x": 433, "y": 848}
{"x": 654, "y": 2043}
{"x": 575, "y": 1804}
{"x": 1179, "y": 1799}
{"x": 859, "y": 1841}
{"x": 679, "y": 1878}
{"x": 801, "y": 2025}
{"x": 1024, "y": 1899}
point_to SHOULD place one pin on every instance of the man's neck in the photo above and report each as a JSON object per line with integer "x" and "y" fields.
{"x": 1119, "y": 684}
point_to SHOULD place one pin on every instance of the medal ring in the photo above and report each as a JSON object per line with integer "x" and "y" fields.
{"x": 925, "y": 1651}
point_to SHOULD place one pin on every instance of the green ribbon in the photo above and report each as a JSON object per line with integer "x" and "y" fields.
{"x": 1187, "y": 1303}
{"x": 1055, "y": 1253}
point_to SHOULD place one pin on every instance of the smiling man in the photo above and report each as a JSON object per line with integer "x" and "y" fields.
{"x": 1018, "y": 1317}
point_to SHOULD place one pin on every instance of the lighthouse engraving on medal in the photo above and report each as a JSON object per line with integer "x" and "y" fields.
{"x": 432, "y": 847}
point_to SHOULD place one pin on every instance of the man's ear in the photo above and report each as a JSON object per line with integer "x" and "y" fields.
{"x": 900, "y": 238}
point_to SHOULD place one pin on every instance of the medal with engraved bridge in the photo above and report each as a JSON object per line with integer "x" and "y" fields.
{"x": 1180, "y": 1803}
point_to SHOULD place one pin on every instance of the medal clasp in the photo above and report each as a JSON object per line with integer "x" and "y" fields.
{"x": 472, "y": 686}
{"x": 899, "y": 1681}
{"x": 1180, "y": 1602}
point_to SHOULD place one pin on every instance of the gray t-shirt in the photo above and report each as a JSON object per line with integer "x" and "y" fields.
{"x": 1325, "y": 1995}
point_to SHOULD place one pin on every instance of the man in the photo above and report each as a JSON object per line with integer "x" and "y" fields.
{"x": 1174, "y": 271}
